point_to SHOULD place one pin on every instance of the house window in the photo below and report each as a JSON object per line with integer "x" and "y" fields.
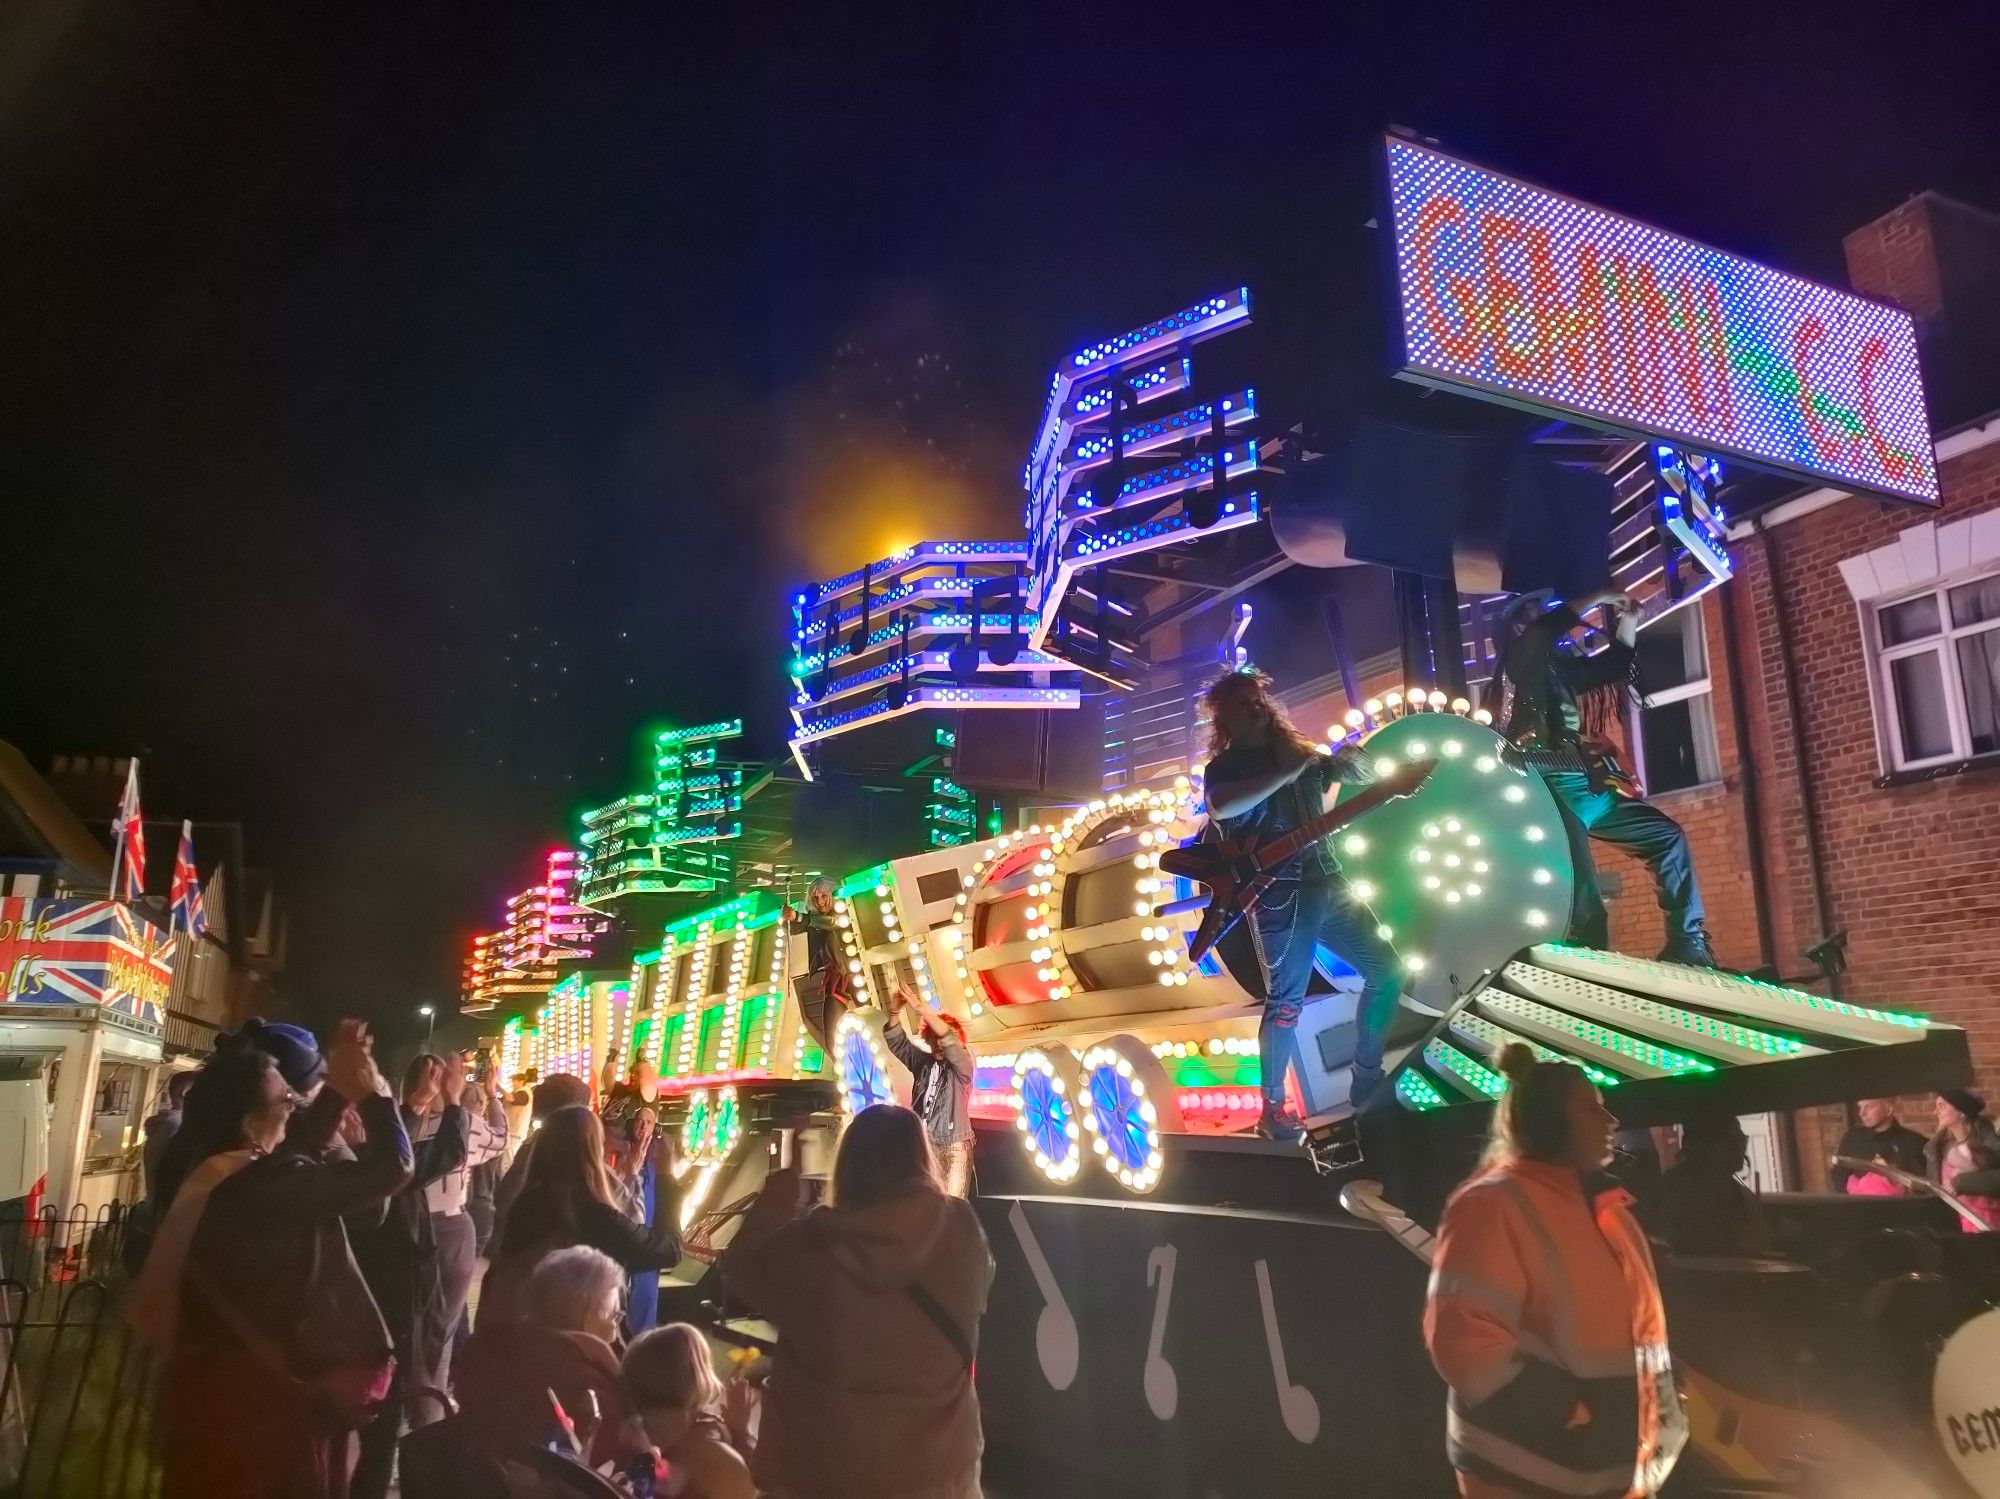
{"x": 1673, "y": 728}
{"x": 1939, "y": 658}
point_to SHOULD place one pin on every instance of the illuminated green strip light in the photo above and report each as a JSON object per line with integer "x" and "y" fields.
{"x": 1769, "y": 1043}
{"x": 865, "y": 881}
{"x": 1217, "y": 1072}
{"x": 1723, "y": 982}
{"x": 1638, "y": 1049}
{"x": 1450, "y": 1059}
{"x": 1414, "y": 1091}
{"x": 1487, "y": 1031}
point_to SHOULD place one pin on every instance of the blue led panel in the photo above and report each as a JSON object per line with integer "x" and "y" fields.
{"x": 1511, "y": 291}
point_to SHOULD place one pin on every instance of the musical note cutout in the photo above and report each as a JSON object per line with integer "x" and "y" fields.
{"x": 1295, "y": 1402}
{"x": 1163, "y": 1387}
{"x": 1056, "y": 1343}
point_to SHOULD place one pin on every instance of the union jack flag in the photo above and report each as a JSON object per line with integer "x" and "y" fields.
{"x": 81, "y": 952}
{"x": 128, "y": 859}
{"x": 190, "y": 915}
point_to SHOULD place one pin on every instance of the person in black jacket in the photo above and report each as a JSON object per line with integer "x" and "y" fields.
{"x": 941, "y": 1082}
{"x": 1562, "y": 710}
{"x": 824, "y": 992}
{"x": 568, "y": 1198}
{"x": 1880, "y": 1136}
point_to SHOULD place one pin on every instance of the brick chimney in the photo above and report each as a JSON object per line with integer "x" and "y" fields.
{"x": 1895, "y": 258}
{"x": 1940, "y": 259}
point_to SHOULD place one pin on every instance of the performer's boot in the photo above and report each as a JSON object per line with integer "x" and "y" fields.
{"x": 1362, "y": 1084}
{"x": 1690, "y": 948}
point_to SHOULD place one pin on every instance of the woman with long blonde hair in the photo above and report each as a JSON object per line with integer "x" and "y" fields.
{"x": 1264, "y": 778}
{"x": 568, "y": 1198}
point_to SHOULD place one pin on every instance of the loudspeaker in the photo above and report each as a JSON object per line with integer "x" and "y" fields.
{"x": 1408, "y": 491}
{"x": 1558, "y": 531}
{"x": 1001, "y": 749}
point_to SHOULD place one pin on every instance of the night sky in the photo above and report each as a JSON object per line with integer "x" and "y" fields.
{"x": 402, "y": 405}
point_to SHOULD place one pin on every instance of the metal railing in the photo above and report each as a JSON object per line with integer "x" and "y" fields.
{"x": 77, "y": 1388}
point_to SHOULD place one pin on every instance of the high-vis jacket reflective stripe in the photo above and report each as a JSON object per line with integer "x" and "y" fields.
{"x": 1545, "y": 1320}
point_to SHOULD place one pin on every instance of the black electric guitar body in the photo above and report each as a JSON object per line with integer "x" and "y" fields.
{"x": 1238, "y": 870}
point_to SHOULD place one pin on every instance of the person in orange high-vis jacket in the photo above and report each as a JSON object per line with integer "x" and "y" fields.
{"x": 1544, "y": 1314}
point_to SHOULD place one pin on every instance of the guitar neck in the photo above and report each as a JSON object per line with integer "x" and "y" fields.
{"x": 1283, "y": 847}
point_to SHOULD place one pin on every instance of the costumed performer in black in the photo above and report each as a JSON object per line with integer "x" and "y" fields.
{"x": 1263, "y": 779}
{"x": 1561, "y": 709}
{"x": 823, "y": 991}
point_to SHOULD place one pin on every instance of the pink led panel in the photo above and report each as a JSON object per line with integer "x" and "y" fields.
{"x": 1510, "y": 291}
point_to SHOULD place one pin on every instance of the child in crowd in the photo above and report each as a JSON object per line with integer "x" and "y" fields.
{"x": 702, "y": 1427}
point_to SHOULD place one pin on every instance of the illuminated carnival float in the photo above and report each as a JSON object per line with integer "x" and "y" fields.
{"x": 1112, "y": 1068}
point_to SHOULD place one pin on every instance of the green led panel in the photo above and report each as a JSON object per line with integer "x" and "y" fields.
{"x": 1725, "y": 991}
{"x": 1414, "y": 1091}
{"x": 1723, "y": 1038}
{"x": 1492, "y": 1037}
{"x": 1642, "y": 1053}
{"x": 1448, "y": 1058}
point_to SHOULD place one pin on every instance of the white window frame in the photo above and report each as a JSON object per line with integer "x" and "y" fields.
{"x": 1888, "y": 712}
{"x": 1635, "y": 735}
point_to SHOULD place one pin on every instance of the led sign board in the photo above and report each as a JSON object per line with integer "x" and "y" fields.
{"x": 1512, "y": 292}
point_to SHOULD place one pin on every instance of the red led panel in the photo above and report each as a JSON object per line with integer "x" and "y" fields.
{"x": 1510, "y": 291}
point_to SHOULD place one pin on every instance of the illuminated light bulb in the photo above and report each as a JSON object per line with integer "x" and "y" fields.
{"x": 1353, "y": 718}
{"x": 1393, "y": 700}
{"x": 1473, "y": 890}
{"x": 1534, "y": 918}
{"x": 1451, "y": 861}
{"x": 1486, "y": 765}
{"x": 1453, "y": 825}
{"x": 1516, "y": 794}
{"x": 1436, "y": 698}
{"x": 1154, "y": 957}
{"x": 1432, "y": 882}
{"x": 1363, "y": 890}
{"x": 1421, "y": 855}
{"x": 1166, "y": 978}
{"x": 1432, "y": 830}
{"x": 1480, "y": 866}
{"x": 1355, "y": 844}
{"x": 1416, "y": 962}
{"x": 1142, "y": 908}
{"x": 1452, "y": 749}
{"x": 1482, "y": 715}
{"x": 1535, "y": 835}
{"x": 1452, "y": 897}
{"x": 1460, "y": 706}
{"x": 1543, "y": 877}
{"x": 1373, "y": 707}
{"x": 1386, "y": 765}
{"x": 1418, "y": 749}
{"x": 1472, "y": 840}
{"x": 1215, "y": 1048}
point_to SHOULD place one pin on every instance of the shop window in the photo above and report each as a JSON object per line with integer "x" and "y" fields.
{"x": 1938, "y": 674}
{"x": 1673, "y": 725}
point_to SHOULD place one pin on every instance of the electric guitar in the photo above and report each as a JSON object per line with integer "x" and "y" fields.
{"x": 1238, "y": 870}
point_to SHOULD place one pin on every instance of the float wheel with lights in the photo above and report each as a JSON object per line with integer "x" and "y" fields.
{"x": 1048, "y": 1087}
{"x": 698, "y": 1126}
{"x": 1128, "y": 1103}
{"x": 862, "y": 1067}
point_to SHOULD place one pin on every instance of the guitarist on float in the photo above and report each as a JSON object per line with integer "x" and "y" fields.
{"x": 1263, "y": 779}
{"x": 1561, "y": 709}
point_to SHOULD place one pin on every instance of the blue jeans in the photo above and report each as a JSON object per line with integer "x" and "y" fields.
{"x": 642, "y": 1299}
{"x": 1288, "y": 922}
{"x": 1641, "y": 829}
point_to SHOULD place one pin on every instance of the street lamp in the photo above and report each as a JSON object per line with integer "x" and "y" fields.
{"x": 429, "y": 1012}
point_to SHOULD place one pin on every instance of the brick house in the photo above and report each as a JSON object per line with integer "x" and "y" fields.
{"x": 1833, "y": 743}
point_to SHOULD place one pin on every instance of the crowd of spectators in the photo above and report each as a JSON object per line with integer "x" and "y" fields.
{"x": 307, "y": 1266}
